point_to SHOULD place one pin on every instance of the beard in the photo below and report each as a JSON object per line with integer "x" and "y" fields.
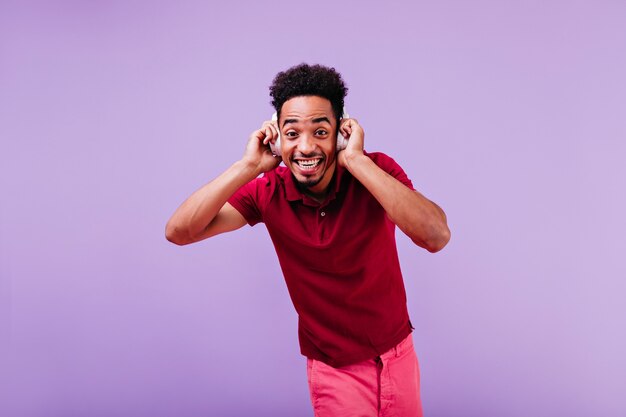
{"x": 309, "y": 182}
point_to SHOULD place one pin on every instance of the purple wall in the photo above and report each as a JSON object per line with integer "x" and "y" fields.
{"x": 510, "y": 115}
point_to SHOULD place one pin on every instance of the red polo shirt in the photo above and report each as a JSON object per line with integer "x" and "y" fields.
{"x": 339, "y": 260}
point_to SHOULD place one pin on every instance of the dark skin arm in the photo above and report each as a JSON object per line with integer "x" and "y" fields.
{"x": 423, "y": 221}
{"x": 206, "y": 212}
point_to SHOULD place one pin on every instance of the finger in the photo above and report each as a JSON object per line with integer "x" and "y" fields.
{"x": 271, "y": 131}
{"x": 266, "y": 125}
{"x": 258, "y": 135}
{"x": 274, "y": 130}
{"x": 342, "y": 126}
{"x": 346, "y": 130}
{"x": 347, "y": 125}
{"x": 268, "y": 134}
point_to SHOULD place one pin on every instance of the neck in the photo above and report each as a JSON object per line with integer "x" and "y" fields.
{"x": 319, "y": 197}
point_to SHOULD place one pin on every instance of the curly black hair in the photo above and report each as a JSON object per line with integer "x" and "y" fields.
{"x": 309, "y": 80}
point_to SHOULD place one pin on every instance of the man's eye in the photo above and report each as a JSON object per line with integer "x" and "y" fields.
{"x": 321, "y": 132}
{"x": 291, "y": 134}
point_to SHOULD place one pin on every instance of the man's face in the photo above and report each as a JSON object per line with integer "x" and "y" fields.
{"x": 308, "y": 140}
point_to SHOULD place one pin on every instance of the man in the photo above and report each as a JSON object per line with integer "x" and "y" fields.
{"x": 331, "y": 216}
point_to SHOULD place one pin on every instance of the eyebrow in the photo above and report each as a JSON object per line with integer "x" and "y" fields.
{"x": 321, "y": 119}
{"x": 316, "y": 120}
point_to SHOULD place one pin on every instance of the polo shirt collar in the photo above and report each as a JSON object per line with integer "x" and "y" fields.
{"x": 293, "y": 193}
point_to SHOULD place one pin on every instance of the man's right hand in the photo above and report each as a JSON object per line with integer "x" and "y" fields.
{"x": 207, "y": 212}
{"x": 258, "y": 153}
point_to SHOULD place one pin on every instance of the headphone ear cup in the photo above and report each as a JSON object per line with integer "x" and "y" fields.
{"x": 275, "y": 147}
{"x": 341, "y": 142}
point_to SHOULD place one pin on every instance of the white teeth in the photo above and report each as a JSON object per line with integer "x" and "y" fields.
{"x": 308, "y": 163}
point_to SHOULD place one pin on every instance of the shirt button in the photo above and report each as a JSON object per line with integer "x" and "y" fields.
{"x": 322, "y": 214}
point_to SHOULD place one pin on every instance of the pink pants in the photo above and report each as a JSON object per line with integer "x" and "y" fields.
{"x": 387, "y": 386}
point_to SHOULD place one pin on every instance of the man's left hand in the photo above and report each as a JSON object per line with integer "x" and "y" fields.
{"x": 351, "y": 130}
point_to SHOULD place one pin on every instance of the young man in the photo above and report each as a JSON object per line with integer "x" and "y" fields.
{"x": 331, "y": 216}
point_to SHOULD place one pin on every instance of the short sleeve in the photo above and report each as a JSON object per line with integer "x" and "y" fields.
{"x": 247, "y": 201}
{"x": 391, "y": 167}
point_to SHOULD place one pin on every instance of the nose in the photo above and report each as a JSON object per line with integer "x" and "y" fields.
{"x": 306, "y": 145}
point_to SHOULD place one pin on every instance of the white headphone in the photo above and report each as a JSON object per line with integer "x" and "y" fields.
{"x": 341, "y": 141}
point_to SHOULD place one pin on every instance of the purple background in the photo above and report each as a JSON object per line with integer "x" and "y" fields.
{"x": 510, "y": 115}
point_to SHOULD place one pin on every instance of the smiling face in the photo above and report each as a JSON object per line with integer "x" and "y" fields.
{"x": 308, "y": 131}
